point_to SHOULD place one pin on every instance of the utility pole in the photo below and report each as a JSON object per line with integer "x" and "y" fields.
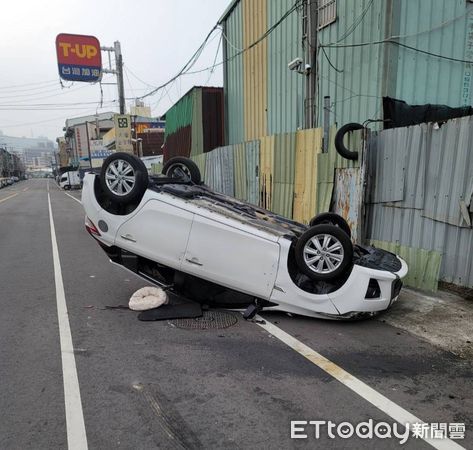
{"x": 118, "y": 72}
{"x": 311, "y": 41}
{"x": 88, "y": 142}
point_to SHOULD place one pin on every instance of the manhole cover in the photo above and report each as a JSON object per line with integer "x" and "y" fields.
{"x": 211, "y": 320}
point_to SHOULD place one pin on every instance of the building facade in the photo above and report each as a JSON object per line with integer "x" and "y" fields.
{"x": 353, "y": 53}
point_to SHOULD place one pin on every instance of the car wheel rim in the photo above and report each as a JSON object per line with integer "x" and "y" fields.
{"x": 120, "y": 177}
{"x": 323, "y": 253}
{"x": 180, "y": 171}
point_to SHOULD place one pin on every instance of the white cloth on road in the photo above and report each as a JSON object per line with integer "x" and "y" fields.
{"x": 147, "y": 298}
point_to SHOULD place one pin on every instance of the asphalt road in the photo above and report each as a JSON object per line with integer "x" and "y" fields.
{"x": 146, "y": 385}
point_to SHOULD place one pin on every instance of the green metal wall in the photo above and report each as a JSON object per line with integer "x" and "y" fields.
{"x": 372, "y": 71}
{"x": 286, "y": 88}
{"x": 233, "y": 43}
{"x": 180, "y": 115}
{"x": 425, "y": 79}
{"x": 355, "y": 92}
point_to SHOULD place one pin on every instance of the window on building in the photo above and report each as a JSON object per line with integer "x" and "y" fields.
{"x": 327, "y": 12}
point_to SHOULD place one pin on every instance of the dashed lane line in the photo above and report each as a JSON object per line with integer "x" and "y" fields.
{"x": 73, "y": 198}
{"x": 75, "y": 426}
{"x": 387, "y": 406}
{"x": 9, "y": 197}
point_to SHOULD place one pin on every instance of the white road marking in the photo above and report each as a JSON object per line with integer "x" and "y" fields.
{"x": 387, "y": 406}
{"x": 76, "y": 435}
{"x": 6, "y": 198}
{"x": 73, "y": 198}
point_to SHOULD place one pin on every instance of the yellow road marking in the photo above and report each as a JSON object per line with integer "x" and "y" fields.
{"x": 10, "y": 196}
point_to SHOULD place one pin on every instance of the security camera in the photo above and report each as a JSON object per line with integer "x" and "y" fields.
{"x": 294, "y": 64}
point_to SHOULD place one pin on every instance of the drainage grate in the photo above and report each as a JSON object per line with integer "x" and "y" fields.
{"x": 211, "y": 320}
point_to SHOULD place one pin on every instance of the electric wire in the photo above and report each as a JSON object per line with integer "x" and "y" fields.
{"x": 186, "y": 66}
{"x": 356, "y": 22}
{"x": 137, "y": 78}
{"x": 29, "y": 84}
{"x": 211, "y": 71}
{"x": 400, "y": 44}
{"x": 193, "y": 59}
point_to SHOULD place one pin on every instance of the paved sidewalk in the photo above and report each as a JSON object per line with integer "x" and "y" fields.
{"x": 442, "y": 318}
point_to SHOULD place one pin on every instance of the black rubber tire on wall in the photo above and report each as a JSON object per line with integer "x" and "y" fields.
{"x": 332, "y": 219}
{"x": 183, "y": 169}
{"x": 140, "y": 174}
{"x": 339, "y": 236}
{"x": 340, "y": 146}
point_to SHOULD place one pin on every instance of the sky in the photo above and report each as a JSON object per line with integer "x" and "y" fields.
{"x": 157, "y": 38}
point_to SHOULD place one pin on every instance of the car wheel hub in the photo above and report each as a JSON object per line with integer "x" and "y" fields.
{"x": 120, "y": 177}
{"x": 323, "y": 253}
{"x": 179, "y": 171}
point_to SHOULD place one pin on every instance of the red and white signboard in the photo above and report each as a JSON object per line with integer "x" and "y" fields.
{"x": 79, "y": 57}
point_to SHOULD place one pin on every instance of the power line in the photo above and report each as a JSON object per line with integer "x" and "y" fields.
{"x": 356, "y": 22}
{"x": 136, "y": 77}
{"x": 391, "y": 41}
{"x": 187, "y": 66}
{"x": 32, "y": 90}
{"x": 264, "y": 36}
{"x": 55, "y": 104}
{"x": 41, "y": 109}
{"x": 330, "y": 62}
{"x": 195, "y": 56}
{"x": 70, "y": 89}
{"x": 211, "y": 71}
{"x": 28, "y": 84}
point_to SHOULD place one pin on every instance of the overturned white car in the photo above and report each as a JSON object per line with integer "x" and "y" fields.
{"x": 174, "y": 231}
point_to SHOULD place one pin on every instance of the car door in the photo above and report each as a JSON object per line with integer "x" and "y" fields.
{"x": 159, "y": 231}
{"x": 229, "y": 256}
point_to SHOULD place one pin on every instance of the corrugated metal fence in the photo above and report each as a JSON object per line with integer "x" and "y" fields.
{"x": 421, "y": 199}
{"x": 285, "y": 173}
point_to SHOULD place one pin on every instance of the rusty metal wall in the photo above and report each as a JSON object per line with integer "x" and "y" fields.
{"x": 255, "y": 69}
{"x": 266, "y": 171}
{"x": 347, "y": 195}
{"x": 178, "y": 143}
{"x": 252, "y": 171}
{"x": 432, "y": 173}
{"x": 212, "y": 118}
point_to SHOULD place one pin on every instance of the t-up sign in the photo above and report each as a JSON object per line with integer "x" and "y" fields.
{"x": 79, "y": 57}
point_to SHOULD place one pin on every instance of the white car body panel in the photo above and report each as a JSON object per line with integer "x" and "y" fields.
{"x": 232, "y": 257}
{"x": 149, "y": 233}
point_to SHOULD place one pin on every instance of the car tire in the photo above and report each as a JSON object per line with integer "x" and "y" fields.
{"x": 324, "y": 252}
{"x": 124, "y": 178}
{"x": 183, "y": 169}
{"x": 340, "y": 146}
{"x": 332, "y": 219}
